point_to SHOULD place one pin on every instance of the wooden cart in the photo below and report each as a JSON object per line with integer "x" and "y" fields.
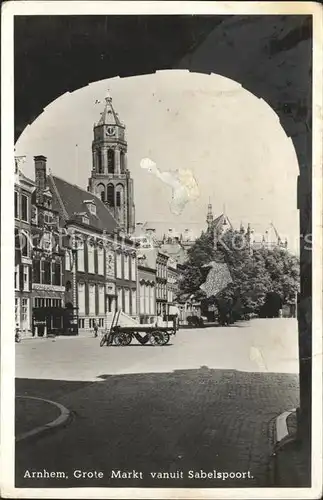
{"x": 123, "y": 335}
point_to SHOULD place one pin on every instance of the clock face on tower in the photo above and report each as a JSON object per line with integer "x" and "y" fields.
{"x": 110, "y": 131}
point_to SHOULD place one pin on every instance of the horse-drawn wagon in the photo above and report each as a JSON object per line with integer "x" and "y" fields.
{"x": 157, "y": 335}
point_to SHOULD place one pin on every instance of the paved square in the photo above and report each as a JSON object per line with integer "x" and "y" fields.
{"x": 203, "y": 403}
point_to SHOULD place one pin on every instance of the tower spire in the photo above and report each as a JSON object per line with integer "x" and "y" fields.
{"x": 108, "y": 97}
{"x": 209, "y": 217}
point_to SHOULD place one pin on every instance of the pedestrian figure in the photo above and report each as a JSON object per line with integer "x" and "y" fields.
{"x": 95, "y": 328}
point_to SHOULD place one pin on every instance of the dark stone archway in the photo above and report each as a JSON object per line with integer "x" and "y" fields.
{"x": 271, "y": 56}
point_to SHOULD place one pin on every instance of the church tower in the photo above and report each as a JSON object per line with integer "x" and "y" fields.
{"x": 110, "y": 178}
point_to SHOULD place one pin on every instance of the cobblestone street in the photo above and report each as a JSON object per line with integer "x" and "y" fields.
{"x": 205, "y": 402}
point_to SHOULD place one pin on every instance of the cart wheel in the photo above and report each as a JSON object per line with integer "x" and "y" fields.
{"x": 157, "y": 338}
{"x": 166, "y": 338}
{"x": 122, "y": 339}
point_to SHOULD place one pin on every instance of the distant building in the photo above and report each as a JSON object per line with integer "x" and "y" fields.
{"x": 173, "y": 243}
{"x": 172, "y": 281}
{"x": 270, "y": 239}
{"x": 156, "y": 261}
{"x": 219, "y": 225}
{"x": 147, "y": 286}
{"x": 161, "y": 283}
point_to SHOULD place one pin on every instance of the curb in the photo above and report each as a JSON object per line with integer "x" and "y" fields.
{"x": 282, "y": 434}
{"x": 281, "y": 437}
{"x": 54, "y": 424}
{"x": 281, "y": 425}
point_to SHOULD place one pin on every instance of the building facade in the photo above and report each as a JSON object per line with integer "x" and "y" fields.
{"x": 110, "y": 178}
{"x": 24, "y": 188}
{"x": 172, "y": 281}
{"x": 47, "y": 259}
{"x": 161, "y": 283}
{"x": 87, "y": 226}
{"x": 126, "y": 279}
{"x": 146, "y": 289}
{"x": 99, "y": 264}
{"x": 85, "y": 286}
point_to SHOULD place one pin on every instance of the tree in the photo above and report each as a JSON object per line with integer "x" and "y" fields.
{"x": 254, "y": 274}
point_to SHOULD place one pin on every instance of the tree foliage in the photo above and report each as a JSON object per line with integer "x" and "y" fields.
{"x": 254, "y": 274}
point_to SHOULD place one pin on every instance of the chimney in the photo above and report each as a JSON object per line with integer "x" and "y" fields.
{"x": 40, "y": 177}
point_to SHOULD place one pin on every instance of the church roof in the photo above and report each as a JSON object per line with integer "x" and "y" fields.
{"x": 221, "y": 221}
{"x": 109, "y": 116}
{"x": 73, "y": 197}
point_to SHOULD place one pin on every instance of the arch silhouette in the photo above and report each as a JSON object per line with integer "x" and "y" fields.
{"x": 110, "y": 195}
{"x": 271, "y": 56}
{"x": 119, "y": 194}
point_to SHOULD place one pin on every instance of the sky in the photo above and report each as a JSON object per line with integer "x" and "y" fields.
{"x": 230, "y": 140}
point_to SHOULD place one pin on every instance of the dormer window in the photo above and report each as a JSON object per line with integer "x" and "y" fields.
{"x": 85, "y": 219}
{"x": 91, "y": 206}
{"x": 48, "y": 218}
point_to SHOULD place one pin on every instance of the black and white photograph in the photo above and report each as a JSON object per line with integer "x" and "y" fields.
{"x": 161, "y": 253}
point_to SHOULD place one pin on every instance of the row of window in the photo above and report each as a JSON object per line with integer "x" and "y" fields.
{"x": 95, "y": 259}
{"x": 46, "y": 272}
{"x": 125, "y": 264}
{"x": 161, "y": 270}
{"x": 22, "y": 272}
{"x": 127, "y": 300}
{"x": 113, "y": 195}
{"x": 22, "y": 312}
{"x": 41, "y": 302}
{"x": 21, "y": 207}
{"x": 147, "y": 299}
{"x": 99, "y": 322}
{"x": 87, "y": 294}
{"x": 161, "y": 291}
{"x": 111, "y": 161}
{"x": 125, "y": 267}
